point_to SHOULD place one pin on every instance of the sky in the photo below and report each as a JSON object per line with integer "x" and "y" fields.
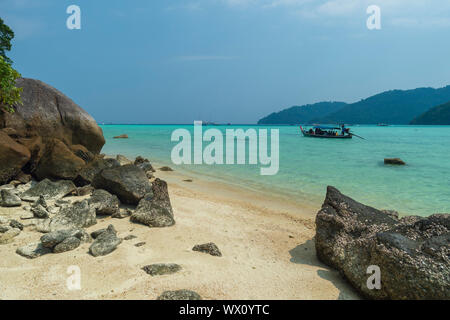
{"x": 176, "y": 61}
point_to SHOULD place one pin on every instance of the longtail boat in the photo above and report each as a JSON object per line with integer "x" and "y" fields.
{"x": 326, "y": 132}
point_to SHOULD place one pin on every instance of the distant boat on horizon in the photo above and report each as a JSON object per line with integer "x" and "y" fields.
{"x": 382, "y": 125}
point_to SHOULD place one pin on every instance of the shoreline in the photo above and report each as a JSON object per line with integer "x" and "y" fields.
{"x": 267, "y": 247}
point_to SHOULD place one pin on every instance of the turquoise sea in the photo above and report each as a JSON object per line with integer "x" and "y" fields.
{"x": 308, "y": 165}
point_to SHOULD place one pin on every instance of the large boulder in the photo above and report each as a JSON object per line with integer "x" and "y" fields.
{"x": 88, "y": 173}
{"x": 13, "y": 156}
{"x": 155, "y": 209}
{"x": 58, "y": 162}
{"x": 78, "y": 215}
{"x": 412, "y": 252}
{"x": 48, "y": 113}
{"x": 48, "y": 135}
{"x": 128, "y": 182}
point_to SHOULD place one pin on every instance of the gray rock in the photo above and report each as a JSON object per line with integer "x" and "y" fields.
{"x": 79, "y": 215}
{"x": 140, "y": 244}
{"x": 9, "y": 199}
{"x": 105, "y": 243}
{"x": 155, "y": 209}
{"x": 4, "y": 220}
{"x": 179, "y": 295}
{"x": 62, "y": 203}
{"x": 50, "y": 240}
{"x": 33, "y": 250}
{"x": 129, "y": 237}
{"x": 85, "y": 190}
{"x": 128, "y": 182}
{"x": 41, "y": 201}
{"x": 16, "y": 224}
{"x": 161, "y": 269}
{"x": 96, "y": 233}
{"x": 39, "y": 212}
{"x": 123, "y": 160}
{"x": 49, "y": 190}
{"x": 68, "y": 244}
{"x": 412, "y": 253}
{"x": 9, "y": 235}
{"x": 104, "y": 203}
{"x": 87, "y": 174}
{"x": 166, "y": 169}
{"x": 144, "y": 164}
{"x": 209, "y": 248}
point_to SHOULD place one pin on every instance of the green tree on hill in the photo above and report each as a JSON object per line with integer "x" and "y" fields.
{"x": 9, "y": 93}
{"x": 6, "y": 35}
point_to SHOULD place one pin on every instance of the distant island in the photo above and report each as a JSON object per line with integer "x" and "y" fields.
{"x": 390, "y": 107}
{"x": 439, "y": 115}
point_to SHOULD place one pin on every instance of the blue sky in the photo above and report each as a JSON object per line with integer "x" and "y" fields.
{"x": 175, "y": 61}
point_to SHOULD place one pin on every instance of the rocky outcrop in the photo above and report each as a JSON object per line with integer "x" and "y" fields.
{"x": 48, "y": 135}
{"x": 105, "y": 243}
{"x": 143, "y": 164}
{"x": 412, "y": 252}
{"x": 87, "y": 174}
{"x": 128, "y": 183}
{"x": 155, "y": 209}
{"x": 394, "y": 161}
{"x": 209, "y": 248}
{"x": 104, "y": 203}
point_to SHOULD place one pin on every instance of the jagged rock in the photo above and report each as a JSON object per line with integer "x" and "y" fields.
{"x": 68, "y": 244}
{"x": 82, "y": 152}
{"x": 105, "y": 243}
{"x": 123, "y": 160}
{"x": 149, "y": 175}
{"x": 155, "y": 209}
{"x": 87, "y": 174}
{"x": 52, "y": 239}
{"x": 96, "y": 233}
{"x": 79, "y": 215}
{"x": 49, "y": 190}
{"x": 104, "y": 203}
{"x": 161, "y": 269}
{"x": 85, "y": 190}
{"x": 179, "y": 295}
{"x": 394, "y": 161}
{"x": 33, "y": 250}
{"x": 39, "y": 212}
{"x": 40, "y": 201}
{"x": 412, "y": 253}
{"x": 144, "y": 164}
{"x": 128, "y": 183}
{"x": 209, "y": 248}
{"x": 16, "y": 224}
{"x": 9, "y": 235}
{"x": 9, "y": 199}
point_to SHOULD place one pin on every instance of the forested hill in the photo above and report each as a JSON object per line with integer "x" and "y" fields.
{"x": 302, "y": 114}
{"x": 439, "y": 115}
{"x": 391, "y": 107}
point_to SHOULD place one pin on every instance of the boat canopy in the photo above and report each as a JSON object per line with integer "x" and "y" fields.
{"x": 326, "y": 128}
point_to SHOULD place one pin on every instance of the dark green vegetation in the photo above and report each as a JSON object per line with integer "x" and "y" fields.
{"x": 439, "y": 115}
{"x": 9, "y": 93}
{"x": 391, "y": 107}
{"x": 6, "y": 35}
{"x": 302, "y": 114}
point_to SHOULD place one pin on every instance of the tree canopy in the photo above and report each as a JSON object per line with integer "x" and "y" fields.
{"x": 6, "y": 35}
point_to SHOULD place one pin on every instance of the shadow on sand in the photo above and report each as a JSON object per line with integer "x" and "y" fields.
{"x": 306, "y": 254}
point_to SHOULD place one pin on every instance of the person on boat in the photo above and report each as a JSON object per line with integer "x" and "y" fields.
{"x": 344, "y": 130}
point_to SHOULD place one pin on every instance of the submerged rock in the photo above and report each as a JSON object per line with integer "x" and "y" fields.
{"x": 394, "y": 161}
{"x": 104, "y": 203}
{"x": 179, "y": 295}
{"x": 161, "y": 269}
{"x": 209, "y": 248}
{"x": 128, "y": 183}
{"x": 49, "y": 190}
{"x": 122, "y": 136}
{"x": 105, "y": 243}
{"x": 155, "y": 209}
{"x": 9, "y": 199}
{"x": 412, "y": 253}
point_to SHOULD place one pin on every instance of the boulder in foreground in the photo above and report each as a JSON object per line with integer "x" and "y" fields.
{"x": 49, "y": 190}
{"x": 412, "y": 253}
{"x": 105, "y": 243}
{"x": 128, "y": 183}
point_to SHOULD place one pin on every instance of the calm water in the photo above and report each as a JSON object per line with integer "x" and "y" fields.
{"x": 308, "y": 165}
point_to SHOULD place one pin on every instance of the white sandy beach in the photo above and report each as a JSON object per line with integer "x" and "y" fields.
{"x": 266, "y": 243}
